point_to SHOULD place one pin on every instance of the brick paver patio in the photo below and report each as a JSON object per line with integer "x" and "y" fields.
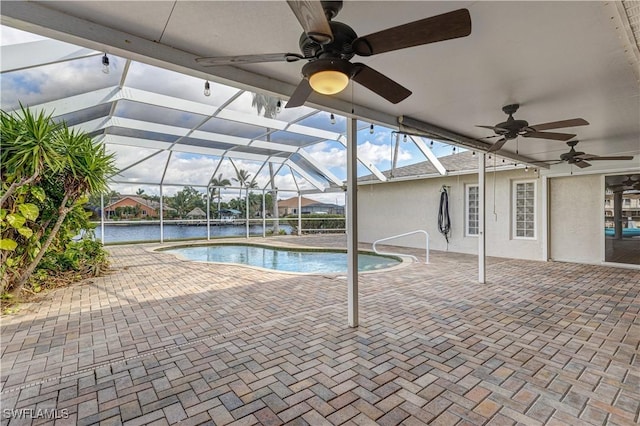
{"x": 162, "y": 341}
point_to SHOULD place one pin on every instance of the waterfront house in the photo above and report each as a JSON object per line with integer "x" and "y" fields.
{"x": 130, "y": 206}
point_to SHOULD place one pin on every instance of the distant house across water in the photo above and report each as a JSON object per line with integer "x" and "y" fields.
{"x": 308, "y": 206}
{"x": 130, "y": 207}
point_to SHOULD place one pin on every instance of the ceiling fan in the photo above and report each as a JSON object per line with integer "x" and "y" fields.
{"x": 627, "y": 184}
{"x": 581, "y": 159}
{"x": 329, "y": 45}
{"x": 513, "y": 128}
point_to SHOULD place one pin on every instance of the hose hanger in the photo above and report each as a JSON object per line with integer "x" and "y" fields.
{"x": 444, "y": 221}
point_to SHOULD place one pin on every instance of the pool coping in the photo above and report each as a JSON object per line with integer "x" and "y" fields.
{"x": 405, "y": 260}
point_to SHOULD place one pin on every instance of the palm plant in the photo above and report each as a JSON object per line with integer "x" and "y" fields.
{"x": 29, "y": 146}
{"x": 242, "y": 177}
{"x": 216, "y": 185}
{"x": 84, "y": 169}
{"x": 267, "y": 103}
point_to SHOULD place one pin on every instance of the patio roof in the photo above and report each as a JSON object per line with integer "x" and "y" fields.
{"x": 158, "y": 120}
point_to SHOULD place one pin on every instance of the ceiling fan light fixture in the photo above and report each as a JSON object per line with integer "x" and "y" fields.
{"x": 329, "y": 82}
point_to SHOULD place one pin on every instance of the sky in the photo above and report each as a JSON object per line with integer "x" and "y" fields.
{"x": 143, "y": 167}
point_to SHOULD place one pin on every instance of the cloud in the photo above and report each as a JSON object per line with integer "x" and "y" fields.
{"x": 10, "y": 35}
{"x": 56, "y": 81}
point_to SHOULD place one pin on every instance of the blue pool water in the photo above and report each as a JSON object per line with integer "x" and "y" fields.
{"x": 305, "y": 261}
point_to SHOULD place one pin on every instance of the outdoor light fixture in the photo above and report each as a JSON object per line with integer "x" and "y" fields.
{"x": 404, "y": 138}
{"x": 371, "y": 129}
{"x": 328, "y": 76}
{"x": 279, "y": 106}
{"x": 431, "y": 143}
{"x": 454, "y": 149}
{"x": 207, "y": 88}
{"x": 105, "y": 64}
{"x": 473, "y": 153}
{"x": 333, "y": 119}
{"x": 526, "y": 168}
{"x": 329, "y": 82}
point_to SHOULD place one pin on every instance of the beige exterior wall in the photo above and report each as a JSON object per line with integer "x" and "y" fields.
{"x": 394, "y": 208}
{"x": 576, "y": 218}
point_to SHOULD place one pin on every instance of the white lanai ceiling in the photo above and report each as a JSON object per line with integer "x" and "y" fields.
{"x": 558, "y": 60}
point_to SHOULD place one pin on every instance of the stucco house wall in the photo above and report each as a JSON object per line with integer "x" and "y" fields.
{"x": 398, "y": 207}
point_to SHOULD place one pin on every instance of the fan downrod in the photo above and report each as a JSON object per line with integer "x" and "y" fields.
{"x": 331, "y": 8}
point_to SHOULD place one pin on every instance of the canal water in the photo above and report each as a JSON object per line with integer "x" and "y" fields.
{"x": 120, "y": 233}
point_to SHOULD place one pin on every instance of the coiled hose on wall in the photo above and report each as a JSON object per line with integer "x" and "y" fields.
{"x": 444, "y": 222}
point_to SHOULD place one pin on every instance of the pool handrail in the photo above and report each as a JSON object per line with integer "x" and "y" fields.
{"x": 404, "y": 235}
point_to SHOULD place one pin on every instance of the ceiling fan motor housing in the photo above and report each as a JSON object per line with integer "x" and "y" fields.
{"x": 340, "y": 47}
{"x": 511, "y": 128}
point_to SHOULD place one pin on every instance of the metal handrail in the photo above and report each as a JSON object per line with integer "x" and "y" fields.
{"x": 404, "y": 235}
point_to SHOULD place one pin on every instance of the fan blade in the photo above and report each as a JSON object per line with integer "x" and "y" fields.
{"x": 436, "y": 28}
{"x": 549, "y": 135}
{"x": 550, "y": 162}
{"x": 311, "y": 16}
{"x": 300, "y": 95}
{"x": 496, "y": 146}
{"x": 379, "y": 83}
{"x": 582, "y": 164}
{"x": 591, "y": 157}
{"x": 248, "y": 59}
{"x": 494, "y": 128}
{"x": 560, "y": 124}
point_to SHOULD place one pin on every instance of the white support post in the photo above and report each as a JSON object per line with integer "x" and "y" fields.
{"x": 247, "y": 212}
{"x": 161, "y": 217}
{"x": 102, "y": 217}
{"x": 208, "y": 214}
{"x": 545, "y": 218}
{"x": 264, "y": 216}
{"x": 299, "y": 214}
{"x": 481, "y": 219}
{"x": 352, "y": 222}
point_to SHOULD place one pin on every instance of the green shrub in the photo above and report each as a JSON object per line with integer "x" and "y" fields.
{"x": 318, "y": 223}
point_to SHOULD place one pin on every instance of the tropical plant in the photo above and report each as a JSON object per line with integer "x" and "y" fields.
{"x": 47, "y": 172}
{"x": 267, "y": 103}
{"x": 85, "y": 168}
{"x": 186, "y": 200}
{"x": 215, "y": 188}
{"x": 29, "y": 146}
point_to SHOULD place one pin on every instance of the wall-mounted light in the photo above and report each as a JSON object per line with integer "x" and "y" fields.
{"x": 207, "y": 88}
{"x": 333, "y": 119}
{"x": 473, "y": 153}
{"x": 404, "y": 138}
{"x": 526, "y": 168}
{"x": 278, "y": 106}
{"x": 105, "y": 64}
{"x": 431, "y": 143}
{"x": 371, "y": 129}
{"x": 454, "y": 149}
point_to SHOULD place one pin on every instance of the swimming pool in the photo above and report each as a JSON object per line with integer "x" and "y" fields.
{"x": 283, "y": 259}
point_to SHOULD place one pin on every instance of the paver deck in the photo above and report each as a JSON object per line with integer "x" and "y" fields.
{"x": 161, "y": 340}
